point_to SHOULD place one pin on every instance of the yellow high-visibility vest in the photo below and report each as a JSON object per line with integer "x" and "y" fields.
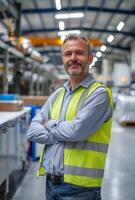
{"x": 84, "y": 161}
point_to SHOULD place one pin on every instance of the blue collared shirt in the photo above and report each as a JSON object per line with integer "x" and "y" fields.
{"x": 94, "y": 113}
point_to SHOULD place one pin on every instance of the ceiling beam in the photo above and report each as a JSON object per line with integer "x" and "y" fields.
{"x": 9, "y": 8}
{"x": 119, "y": 3}
{"x": 42, "y": 41}
{"x": 39, "y": 41}
{"x": 55, "y": 51}
{"x": 131, "y": 34}
{"x": 118, "y": 47}
{"x": 40, "y": 16}
{"x": 83, "y": 8}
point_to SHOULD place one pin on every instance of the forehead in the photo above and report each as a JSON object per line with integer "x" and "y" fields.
{"x": 75, "y": 43}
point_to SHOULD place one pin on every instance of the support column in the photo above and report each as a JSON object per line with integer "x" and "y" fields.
{"x": 38, "y": 81}
{"x": 31, "y": 91}
{"x": 5, "y": 80}
{"x": 133, "y": 57}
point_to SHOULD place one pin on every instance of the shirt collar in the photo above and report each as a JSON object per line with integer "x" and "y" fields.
{"x": 85, "y": 83}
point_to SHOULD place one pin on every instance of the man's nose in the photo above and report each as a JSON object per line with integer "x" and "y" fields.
{"x": 73, "y": 56}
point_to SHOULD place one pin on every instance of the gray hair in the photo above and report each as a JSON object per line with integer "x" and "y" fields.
{"x": 76, "y": 37}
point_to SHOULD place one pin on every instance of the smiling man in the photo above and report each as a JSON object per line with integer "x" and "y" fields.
{"x": 75, "y": 126}
{"x": 76, "y": 58}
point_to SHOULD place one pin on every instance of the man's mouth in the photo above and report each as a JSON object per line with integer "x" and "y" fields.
{"x": 74, "y": 65}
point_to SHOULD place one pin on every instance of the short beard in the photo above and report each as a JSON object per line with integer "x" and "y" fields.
{"x": 74, "y": 74}
{"x": 83, "y": 70}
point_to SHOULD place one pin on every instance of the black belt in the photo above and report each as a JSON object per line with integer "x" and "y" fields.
{"x": 56, "y": 180}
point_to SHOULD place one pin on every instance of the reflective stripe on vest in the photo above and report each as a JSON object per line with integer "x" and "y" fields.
{"x": 84, "y": 161}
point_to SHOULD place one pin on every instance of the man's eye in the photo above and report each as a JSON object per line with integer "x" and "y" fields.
{"x": 67, "y": 54}
{"x": 80, "y": 53}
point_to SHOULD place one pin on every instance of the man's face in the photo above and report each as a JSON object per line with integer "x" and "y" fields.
{"x": 76, "y": 58}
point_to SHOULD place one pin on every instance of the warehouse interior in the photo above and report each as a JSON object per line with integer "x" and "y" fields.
{"x": 31, "y": 68}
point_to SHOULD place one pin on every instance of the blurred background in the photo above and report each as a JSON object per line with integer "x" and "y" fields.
{"x": 31, "y": 35}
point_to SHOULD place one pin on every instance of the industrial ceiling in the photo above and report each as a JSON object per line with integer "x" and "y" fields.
{"x": 100, "y": 20}
{"x": 108, "y": 24}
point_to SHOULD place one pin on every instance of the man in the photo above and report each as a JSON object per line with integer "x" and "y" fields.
{"x": 75, "y": 126}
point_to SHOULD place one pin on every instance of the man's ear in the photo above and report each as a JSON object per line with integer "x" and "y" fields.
{"x": 90, "y": 58}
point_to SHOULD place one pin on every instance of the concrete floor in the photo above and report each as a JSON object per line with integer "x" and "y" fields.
{"x": 31, "y": 188}
{"x": 119, "y": 177}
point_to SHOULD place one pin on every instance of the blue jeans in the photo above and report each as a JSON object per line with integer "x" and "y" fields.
{"x": 67, "y": 191}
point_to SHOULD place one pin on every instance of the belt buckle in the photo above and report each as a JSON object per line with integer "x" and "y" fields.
{"x": 56, "y": 180}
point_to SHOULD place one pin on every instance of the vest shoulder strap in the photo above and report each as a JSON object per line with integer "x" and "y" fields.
{"x": 55, "y": 96}
{"x": 92, "y": 87}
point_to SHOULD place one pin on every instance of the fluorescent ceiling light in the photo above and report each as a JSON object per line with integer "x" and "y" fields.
{"x": 98, "y": 54}
{"x": 58, "y": 4}
{"x": 25, "y": 45}
{"x": 93, "y": 62}
{"x": 61, "y": 33}
{"x": 95, "y": 59}
{"x": 69, "y": 15}
{"x": 120, "y": 26}
{"x": 61, "y": 25}
{"x": 110, "y": 38}
{"x": 103, "y": 48}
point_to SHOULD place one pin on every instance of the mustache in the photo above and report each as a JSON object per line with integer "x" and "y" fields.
{"x": 74, "y": 62}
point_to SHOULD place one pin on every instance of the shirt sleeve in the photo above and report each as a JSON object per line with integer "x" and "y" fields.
{"x": 37, "y": 132}
{"x": 95, "y": 112}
